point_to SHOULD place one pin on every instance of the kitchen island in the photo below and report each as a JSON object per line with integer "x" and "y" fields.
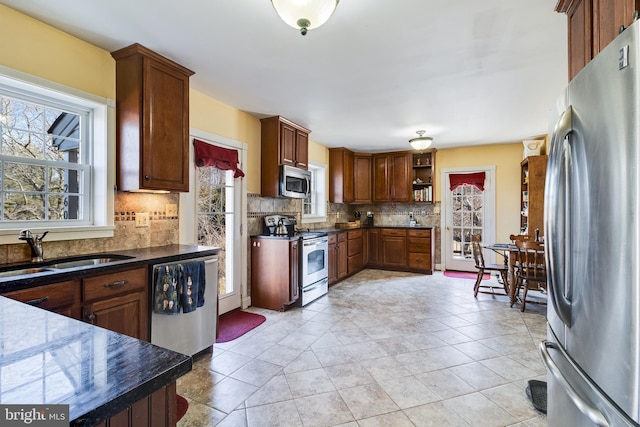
{"x": 47, "y": 358}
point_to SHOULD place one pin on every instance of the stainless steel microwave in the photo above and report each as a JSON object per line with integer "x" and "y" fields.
{"x": 294, "y": 182}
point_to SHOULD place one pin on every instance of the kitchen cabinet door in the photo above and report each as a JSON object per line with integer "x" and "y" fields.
{"x": 62, "y": 298}
{"x": 152, "y": 121}
{"x": 392, "y": 177}
{"x": 342, "y": 255}
{"x": 341, "y": 175}
{"x": 294, "y": 263}
{"x": 282, "y": 143}
{"x": 125, "y": 314}
{"x": 118, "y": 301}
{"x": 362, "y": 178}
{"x": 394, "y": 247}
{"x": 374, "y": 246}
{"x": 333, "y": 259}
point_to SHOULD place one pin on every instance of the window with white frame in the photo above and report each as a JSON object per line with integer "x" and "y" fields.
{"x": 49, "y": 139}
{"x": 314, "y": 207}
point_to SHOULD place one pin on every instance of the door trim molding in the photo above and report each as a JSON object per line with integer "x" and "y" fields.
{"x": 188, "y": 230}
{"x": 489, "y": 220}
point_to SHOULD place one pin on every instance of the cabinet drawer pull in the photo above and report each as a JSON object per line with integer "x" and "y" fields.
{"x": 91, "y": 317}
{"x": 37, "y": 301}
{"x": 118, "y": 284}
{"x": 284, "y": 159}
{"x": 147, "y": 177}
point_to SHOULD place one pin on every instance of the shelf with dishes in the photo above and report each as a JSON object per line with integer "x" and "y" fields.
{"x": 423, "y": 171}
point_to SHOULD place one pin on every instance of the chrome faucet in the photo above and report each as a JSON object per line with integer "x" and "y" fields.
{"x": 35, "y": 243}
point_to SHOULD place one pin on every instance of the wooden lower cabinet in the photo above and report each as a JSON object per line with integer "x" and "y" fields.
{"x": 118, "y": 301}
{"x": 332, "y": 260}
{"x": 354, "y": 251}
{"x": 341, "y": 255}
{"x": 403, "y": 249}
{"x": 156, "y": 410}
{"x": 62, "y": 298}
{"x": 274, "y": 277}
{"x": 394, "y": 247}
{"x": 420, "y": 247}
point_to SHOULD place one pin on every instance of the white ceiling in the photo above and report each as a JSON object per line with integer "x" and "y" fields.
{"x": 466, "y": 71}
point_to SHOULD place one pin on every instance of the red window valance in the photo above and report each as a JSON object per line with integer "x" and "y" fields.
{"x": 476, "y": 179}
{"x": 218, "y": 157}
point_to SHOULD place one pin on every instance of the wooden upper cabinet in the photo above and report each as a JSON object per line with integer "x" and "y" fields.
{"x": 361, "y": 178}
{"x": 592, "y": 25}
{"x": 392, "y": 177}
{"x": 152, "y": 121}
{"x": 283, "y": 143}
{"x": 341, "y": 175}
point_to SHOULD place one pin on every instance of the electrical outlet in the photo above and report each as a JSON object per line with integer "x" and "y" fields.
{"x": 142, "y": 219}
{"x": 171, "y": 210}
{"x": 436, "y": 209}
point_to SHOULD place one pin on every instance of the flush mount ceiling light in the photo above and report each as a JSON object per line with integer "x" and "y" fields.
{"x": 305, "y": 14}
{"x": 421, "y": 142}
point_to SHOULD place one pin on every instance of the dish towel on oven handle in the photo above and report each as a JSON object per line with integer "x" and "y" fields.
{"x": 166, "y": 290}
{"x": 193, "y": 285}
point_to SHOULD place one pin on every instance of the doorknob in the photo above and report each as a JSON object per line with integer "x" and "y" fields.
{"x": 448, "y": 228}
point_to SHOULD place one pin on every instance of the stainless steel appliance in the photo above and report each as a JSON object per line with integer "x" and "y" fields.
{"x": 314, "y": 266}
{"x": 294, "y": 182}
{"x": 190, "y": 333}
{"x": 592, "y": 239}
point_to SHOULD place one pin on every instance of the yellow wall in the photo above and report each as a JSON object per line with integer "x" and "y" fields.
{"x": 506, "y": 158}
{"x": 32, "y": 47}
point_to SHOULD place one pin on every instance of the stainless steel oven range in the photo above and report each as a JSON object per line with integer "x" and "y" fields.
{"x": 314, "y": 268}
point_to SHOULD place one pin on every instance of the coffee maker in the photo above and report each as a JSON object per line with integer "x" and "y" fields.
{"x": 279, "y": 225}
{"x": 368, "y": 222}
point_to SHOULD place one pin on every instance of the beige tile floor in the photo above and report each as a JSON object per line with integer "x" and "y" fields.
{"x": 381, "y": 349}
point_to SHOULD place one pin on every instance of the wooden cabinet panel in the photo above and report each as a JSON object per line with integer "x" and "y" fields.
{"x": 354, "y": 251}
{"x": 420, "y": 261}
{"x": 156, "y": 410}
{"x": 342, "y": 256}
{"x": 118, "y": 301}
{"x": 341, "y": 175}
{"x": 152, "y": 121}
{"x": 394, "y": 251}
{"x": 391, "y": 177}
{"x": 273, "y": 276}
{"x": 362, "y": 178}
{"x": 108, "y": 285}
{"x": 419, "y": 244}
{"x": 592, "y": 25}
{"x": 374, "y": 246}
{"x": 283, "y": 143}
{"x": 533, "y": 174}
{"x": 400, "y": 177}
{"x": 294, "y": 263}
{"x": 332, "y": 259}
{"x": 62, "y": 298}
{"x": 125, "y": 314}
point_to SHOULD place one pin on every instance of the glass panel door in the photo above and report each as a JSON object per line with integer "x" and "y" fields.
{"x": 216, "y": 220}
{"x": 465, "y": 217}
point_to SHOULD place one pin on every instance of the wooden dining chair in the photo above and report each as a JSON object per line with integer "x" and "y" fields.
{"x": 531, "y": 273}
{"x": 482, "y": 267}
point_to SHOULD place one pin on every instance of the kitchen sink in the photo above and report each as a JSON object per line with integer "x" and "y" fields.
{"x": 86, "y": 261}
{"x": 23, "y": 271}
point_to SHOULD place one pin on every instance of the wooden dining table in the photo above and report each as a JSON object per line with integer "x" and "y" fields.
{"x": 509, "y": 252}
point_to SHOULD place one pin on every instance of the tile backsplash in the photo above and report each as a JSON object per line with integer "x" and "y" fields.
{"x": 162, "y": 230}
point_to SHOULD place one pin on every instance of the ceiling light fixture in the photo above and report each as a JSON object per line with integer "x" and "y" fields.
{"x": 421, "y": 142}
{"x": 305, "y": 14}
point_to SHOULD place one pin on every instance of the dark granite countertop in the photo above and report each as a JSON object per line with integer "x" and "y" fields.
{"x": 139, "y": 258}
{"x": 47, "y": 358}
{"x": 337, "y": 230}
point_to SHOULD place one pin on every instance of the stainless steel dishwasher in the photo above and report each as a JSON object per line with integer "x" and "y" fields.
{"x": 190, "y": 333}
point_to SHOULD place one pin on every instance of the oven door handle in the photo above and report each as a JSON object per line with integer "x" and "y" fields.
{"x": 316, "y": 243}
{"x": 315, "y": 285}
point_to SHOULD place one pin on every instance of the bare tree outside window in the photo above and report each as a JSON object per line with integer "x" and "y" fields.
{"x": 468, "y": 218}
{"x": 212, "y": 215}
{"x": 40, "y": 160}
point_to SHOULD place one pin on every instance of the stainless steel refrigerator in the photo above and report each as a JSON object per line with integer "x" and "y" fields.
{"x": 592, "y": 240}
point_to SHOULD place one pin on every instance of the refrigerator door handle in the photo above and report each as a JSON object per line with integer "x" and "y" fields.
{"x": 555, "y": 217}
{"x": 586, "y": 408}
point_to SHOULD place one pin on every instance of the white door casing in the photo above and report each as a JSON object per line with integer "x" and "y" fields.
{"x": 448, "y": 259}
{"x": 237, "y": 255}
